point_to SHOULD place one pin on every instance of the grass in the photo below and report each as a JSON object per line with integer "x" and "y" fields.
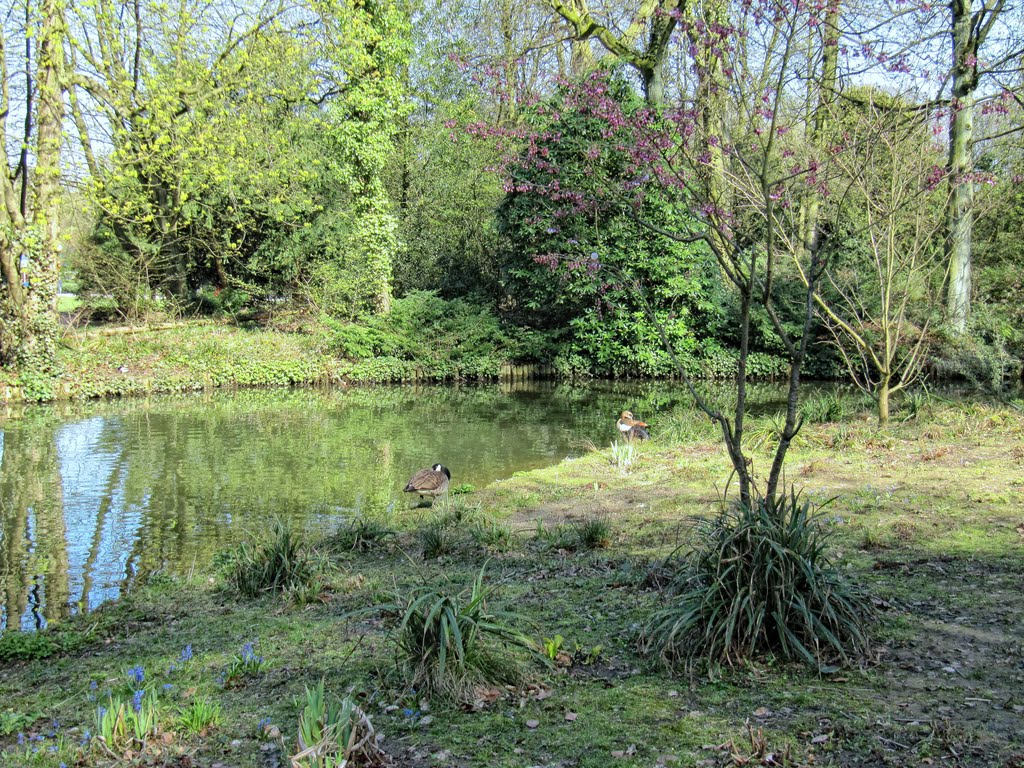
{"x": 925, "y": 516}
{"x": 274, "y": 561}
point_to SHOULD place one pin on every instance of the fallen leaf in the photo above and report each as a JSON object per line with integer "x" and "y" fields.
{"x": 762, "y": 712}
{"x": 531, "y": 724}
{"x": 570, "y": 716}
{"x": 820, "y": 738}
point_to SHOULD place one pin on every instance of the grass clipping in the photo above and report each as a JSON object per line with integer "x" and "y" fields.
{"x": 759, "y": 582}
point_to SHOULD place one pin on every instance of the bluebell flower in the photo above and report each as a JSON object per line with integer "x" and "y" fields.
{"x": 137, "y": 700}
{"x": 263, "y": 724}
{"x": 86, "y": 737}
{"x": 167, "y": 686}
{"x": 408, "y": 712}
{"x": 102, "y": 711}
{"x": 172, "y": 668}
{"x": 21, "y": 739}
{"x": 137, "y": 673}
{"x": 186, "y": 653}
{"x": 93, "y": 685}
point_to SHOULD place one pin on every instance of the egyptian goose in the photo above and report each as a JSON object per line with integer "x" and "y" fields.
{"x": 630, "y": 428}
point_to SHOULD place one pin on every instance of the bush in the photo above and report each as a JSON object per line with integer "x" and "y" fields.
{"x": 759, "y": 582}
{"x": 446, "y": 641}
{"x": 278, "y": 562}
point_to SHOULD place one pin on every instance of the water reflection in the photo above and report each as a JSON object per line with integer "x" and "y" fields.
{"x": 92, "y": 494}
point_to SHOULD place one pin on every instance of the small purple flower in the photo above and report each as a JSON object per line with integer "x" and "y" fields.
{"x": 167, "y": 686}
{"x": 186, "y": 654}
{"x": 21, "y": 739}
{"x": 93, "y": 685}
{"x": 137, "y": 673}
{"x": 137, "y": 700}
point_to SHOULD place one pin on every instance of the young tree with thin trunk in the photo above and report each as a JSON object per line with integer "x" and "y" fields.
{"x": 877, "y": 292}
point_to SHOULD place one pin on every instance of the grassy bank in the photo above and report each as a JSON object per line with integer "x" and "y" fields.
{"x": 927, "y": 516}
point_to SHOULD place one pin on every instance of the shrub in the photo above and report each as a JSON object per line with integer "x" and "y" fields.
{"x": 446, "y": 641}
{"x": 435, "y": 541}
{"x": 334, "y": 733}
{"x": 275, "y": 563}
{"x": 759, "y": 582}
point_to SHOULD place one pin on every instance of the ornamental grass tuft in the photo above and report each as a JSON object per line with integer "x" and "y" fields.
{"x": 759, "y": 582}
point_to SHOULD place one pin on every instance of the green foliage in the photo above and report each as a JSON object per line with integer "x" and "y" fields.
{"x": 595, "y": 533}
{"x": 435, "y": 541}
{"x": 567, "y": 270}
{"x": 425, "y": 337}
{"x": 120, "y": 723}
{"x": 272, "y": 562}
{"x": 360, "y": 534}
{"x": 333, "y": 733}
{"x": 492, "y": 535}
{"x": 200, "y": 715}
{"x": 553, "y": 646}
{"x": 445, "y": 642}
{"x": 758, "y": 582}
{"x": 271, "y": 180}
{"x": 821, "y": 407}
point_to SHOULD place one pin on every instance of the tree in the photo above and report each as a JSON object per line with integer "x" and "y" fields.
{"x": 886, "y": 246}
{"x": 29, "y": 226}
{"x": 643, "y": 44}
{"x": 767, "y": 173}
{"x": 229, "y": 148}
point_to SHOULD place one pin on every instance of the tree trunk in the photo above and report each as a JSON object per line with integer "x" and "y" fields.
{"x": 35, "y": 321}
{"x": 883, "y": 404}
{"x": 654, "y": 84}
{"x": 961, "y": 164}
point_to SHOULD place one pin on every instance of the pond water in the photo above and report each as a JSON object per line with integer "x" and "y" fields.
{"x": 94, "y": 494}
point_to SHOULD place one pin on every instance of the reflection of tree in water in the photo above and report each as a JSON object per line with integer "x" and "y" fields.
{"x": 33, "y": 541}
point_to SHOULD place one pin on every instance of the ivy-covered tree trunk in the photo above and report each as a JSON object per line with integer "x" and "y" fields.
{"x": 29, "y": 241}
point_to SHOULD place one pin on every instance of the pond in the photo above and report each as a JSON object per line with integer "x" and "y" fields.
{"x": 94, "y": 494}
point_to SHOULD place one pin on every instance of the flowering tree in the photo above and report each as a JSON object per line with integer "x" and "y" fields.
{"x": 750, "y": 184}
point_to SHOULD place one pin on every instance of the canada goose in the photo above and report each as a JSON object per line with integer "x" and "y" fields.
{"x": 630, "y": 428}
{"x": 431, "y": 482}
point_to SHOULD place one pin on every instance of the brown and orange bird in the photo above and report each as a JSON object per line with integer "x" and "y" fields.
{"x": 630, "y": 428}
{"x": 431, "y": 482}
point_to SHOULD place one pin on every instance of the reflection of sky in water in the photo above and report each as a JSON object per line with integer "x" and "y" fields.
{"x": 96, "y": 542}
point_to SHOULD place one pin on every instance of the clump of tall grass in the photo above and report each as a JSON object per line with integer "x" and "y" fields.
{"x": 435, "y": 541}
{"x": 277, "y": 561}
{"x": 822, "y": 407}
{"x": 758, "y": 582}
{"x": 492, "y": 535}
{"x": 623, "y": 455}
{"x": 360, "y": 534}
{"x": 334, "y": 733}
{"x": 594, "y": 533}
{"x": 200, "y": 715}
{"x": 449, "y": 643}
